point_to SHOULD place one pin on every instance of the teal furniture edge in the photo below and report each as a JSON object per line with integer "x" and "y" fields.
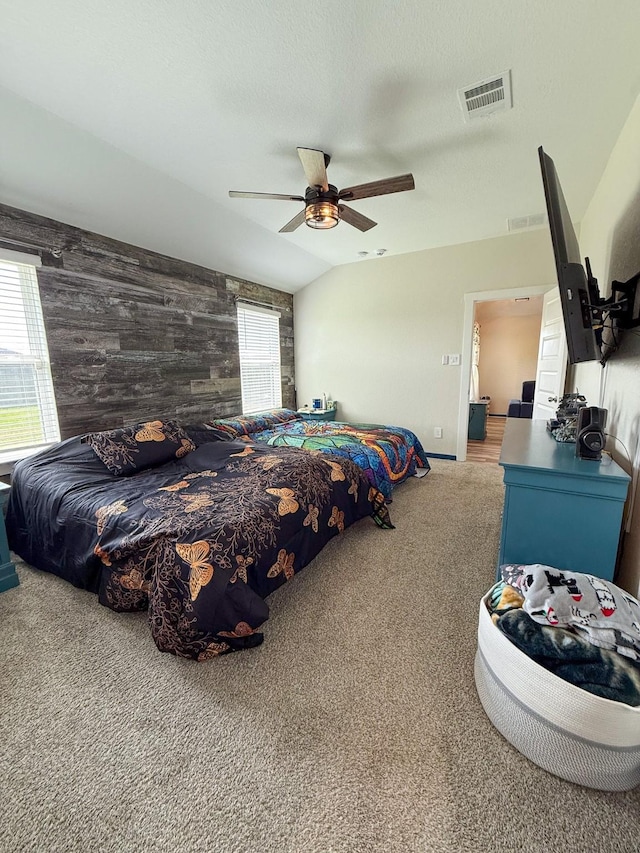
{"x": 8, "y": 577}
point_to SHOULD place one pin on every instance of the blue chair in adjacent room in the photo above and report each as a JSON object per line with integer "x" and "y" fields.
{"x": 523, "y": 408}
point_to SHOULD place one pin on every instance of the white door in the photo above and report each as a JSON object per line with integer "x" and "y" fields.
{"x": 552, "y": 358}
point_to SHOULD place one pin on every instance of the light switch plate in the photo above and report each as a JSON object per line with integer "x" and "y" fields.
{"x": 454, "y": 359}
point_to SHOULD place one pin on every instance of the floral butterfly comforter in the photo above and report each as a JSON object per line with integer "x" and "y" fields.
{"x": 198, "y": 542}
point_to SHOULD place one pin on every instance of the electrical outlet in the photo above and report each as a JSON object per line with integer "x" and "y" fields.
{"x": 454, "y": 359}
{"x": 437, "y": 432}
{"x": 445, "y": 359}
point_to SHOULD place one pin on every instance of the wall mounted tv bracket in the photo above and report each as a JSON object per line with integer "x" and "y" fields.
{"x": 619, "y": 306}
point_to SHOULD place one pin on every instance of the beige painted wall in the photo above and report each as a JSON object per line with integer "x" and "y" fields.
{"x": 610, "y": 236}
{"x": 508, "y": 357}
{"x": 371, "y": 334}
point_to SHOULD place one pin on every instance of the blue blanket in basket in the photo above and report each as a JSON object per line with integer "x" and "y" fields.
{"x": 567, "y": 655}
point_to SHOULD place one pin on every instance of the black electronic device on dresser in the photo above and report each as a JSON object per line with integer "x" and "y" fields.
{"x": 590, "y": 438}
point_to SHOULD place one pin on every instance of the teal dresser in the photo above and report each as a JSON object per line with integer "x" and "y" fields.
{"x": 558, "y": 510}
{"x": 8, "y": 575}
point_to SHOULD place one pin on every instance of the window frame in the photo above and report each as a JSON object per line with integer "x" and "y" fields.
{"x": 264, "y": 354}
{"x": 37, "y": 358}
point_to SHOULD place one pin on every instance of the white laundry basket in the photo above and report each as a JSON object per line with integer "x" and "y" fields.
{"x": 566, "y": 730}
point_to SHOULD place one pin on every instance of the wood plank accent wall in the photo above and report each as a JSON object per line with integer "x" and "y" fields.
{"x": 134, "y": 335}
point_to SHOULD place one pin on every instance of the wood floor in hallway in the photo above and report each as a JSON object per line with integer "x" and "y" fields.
{"x": 489, "y": 449}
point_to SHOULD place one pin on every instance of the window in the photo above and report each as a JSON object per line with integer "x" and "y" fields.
{"x": 28, "y": 416}
{"x": 259, "y": 341}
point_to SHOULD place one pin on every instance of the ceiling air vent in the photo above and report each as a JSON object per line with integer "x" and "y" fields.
{"x": 520, "y": 222}
{"x": 488, "y": 96}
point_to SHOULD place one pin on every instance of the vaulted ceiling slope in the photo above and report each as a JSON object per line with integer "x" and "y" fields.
{"x": 135, "y": 119}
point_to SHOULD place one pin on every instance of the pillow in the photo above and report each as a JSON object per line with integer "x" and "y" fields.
{"x": 247, "y": 424}
{"x": 281, "y": 416}
{"x": 203, "y": 433}
{"x": 129, "y": 449}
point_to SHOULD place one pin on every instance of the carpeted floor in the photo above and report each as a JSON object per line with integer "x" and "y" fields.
{"x": 355, "y": 727}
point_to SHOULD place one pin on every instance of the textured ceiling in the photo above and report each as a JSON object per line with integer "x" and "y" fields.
{"x": 196, "y": 98}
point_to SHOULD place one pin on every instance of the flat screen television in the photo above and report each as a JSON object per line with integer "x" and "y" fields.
{"x": 584, "y": 339}
{"x": 586, "y": 314}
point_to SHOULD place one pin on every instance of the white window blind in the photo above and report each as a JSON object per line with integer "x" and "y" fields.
{"x": 259, "y": 341}
{"x": 28, "y": 416}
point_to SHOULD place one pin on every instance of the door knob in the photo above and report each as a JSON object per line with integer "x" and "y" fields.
{"x": 553, "y": 399}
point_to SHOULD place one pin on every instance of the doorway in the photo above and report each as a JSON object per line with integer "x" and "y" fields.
{"x": 489, "y": 449}
{"x": 472, "y": 302}
{"x": 506, "y": 337}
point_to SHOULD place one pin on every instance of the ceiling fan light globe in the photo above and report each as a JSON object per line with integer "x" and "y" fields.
{"x": 321, "y": 214}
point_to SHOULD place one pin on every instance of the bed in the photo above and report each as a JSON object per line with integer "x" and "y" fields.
{"x": 388, "y": 455}
{"x": 196, "y": 531}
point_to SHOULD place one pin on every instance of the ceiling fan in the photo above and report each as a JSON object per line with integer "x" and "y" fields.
{"x": 323, "y": 206}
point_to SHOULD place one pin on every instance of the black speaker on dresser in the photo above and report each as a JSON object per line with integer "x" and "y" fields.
{"x": 590, "y": 437}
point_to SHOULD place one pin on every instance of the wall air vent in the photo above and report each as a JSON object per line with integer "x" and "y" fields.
{"x": 488, "y": 96}
{"x": 520, "y": 222}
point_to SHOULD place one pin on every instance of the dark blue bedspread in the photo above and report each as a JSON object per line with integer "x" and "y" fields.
{"x": 199, "y": 542}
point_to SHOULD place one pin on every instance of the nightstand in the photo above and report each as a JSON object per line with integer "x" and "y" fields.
{"x": 8, "y": 576}
{"x": 318, "y": 414}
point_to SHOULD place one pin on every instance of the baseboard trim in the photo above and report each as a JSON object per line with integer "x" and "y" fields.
{"x": 440, "y": 456}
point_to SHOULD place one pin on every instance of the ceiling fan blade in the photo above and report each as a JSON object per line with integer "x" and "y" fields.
{"x": 235, "y": 194}
{"x": 292, "y": 224}
{"x": 399, "y": 184}
{"x": 362, "y": 223}
{"x": 313, "y": 163}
